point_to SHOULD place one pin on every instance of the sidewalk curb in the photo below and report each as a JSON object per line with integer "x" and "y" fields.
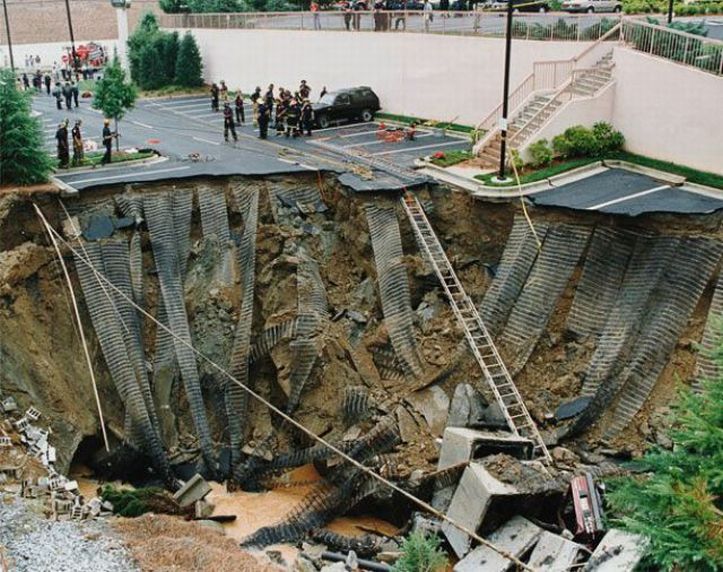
{"x": 124, "y": 164}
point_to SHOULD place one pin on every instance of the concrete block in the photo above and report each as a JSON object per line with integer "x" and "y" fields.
{"x": 9, "y": 404}
{"x": 475, "y": 494}
{"x": 196, "y": 488}
{"x": 619, "y": 551}
{"x": 554, "y": 553}
{"x": 517, "y": 537}
{"x": 460, "y": 445}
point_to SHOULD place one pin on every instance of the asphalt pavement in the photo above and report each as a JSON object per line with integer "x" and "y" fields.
{"x": 618, "y": 191}
{"x": 190, "y": 135}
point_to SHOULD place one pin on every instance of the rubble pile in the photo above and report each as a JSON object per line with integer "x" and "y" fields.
{"x": 27, "y": 467}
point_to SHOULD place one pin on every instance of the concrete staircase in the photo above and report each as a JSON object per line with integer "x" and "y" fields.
{"x": 530, "y": 118}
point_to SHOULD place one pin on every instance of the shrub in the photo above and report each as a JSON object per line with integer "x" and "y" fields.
{"x": 677, "y": 503}
{"x": 420, "y": 553}
{"x": 608, "y": 139}
{"x": 541, "y": 153}
{"x": 576, "y": 141}
{"x": 515, "y": 160}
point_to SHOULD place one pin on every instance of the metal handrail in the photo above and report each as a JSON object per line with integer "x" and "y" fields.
{"x": 705, "y": 54}
{"x": 488, "y": 123}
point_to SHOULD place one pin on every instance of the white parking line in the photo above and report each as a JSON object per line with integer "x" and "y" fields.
{"x": 627, "y": 198}
{"x": 142, "y": 124}
{"x": 345, "y": 126}
{"x": 194, "y": 101}
{"x": 125, "y": 175}
{"x": 413, "y": 149}
{"x": 206, "y": 141}
{"x": 378, "y": 142}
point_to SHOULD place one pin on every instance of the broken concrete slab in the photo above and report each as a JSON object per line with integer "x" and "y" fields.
{"x": 196, "y": 488}
{"x": 474, "y": 496}
{"x": 467, "y": 408}
{"x": 619, "y": 551}
{"x": 462, "y": 444}
{"x": 433, "y": 404}
{"x": 516, "y": 537}
{"x": 554, "y": 553}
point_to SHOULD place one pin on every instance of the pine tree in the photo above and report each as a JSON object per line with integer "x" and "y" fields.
{"x": 114, "y": 95}
{"x": 22, "y": 158}
{"x": 188, "y": 65}
{"x": 678, "y": 503}
{"x": 143, "y": 35}
{"x": 151, "y": 72}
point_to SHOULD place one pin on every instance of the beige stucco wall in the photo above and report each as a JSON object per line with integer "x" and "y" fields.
{"x": 585, "y": 111}
{"x": 432, "y": 76}
{"x": 669, "y": 111}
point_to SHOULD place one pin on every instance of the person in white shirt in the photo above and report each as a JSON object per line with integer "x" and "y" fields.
{"x": 428, "y": 16}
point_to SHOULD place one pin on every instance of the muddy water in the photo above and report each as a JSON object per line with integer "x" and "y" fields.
{"x": 255, "y": 510}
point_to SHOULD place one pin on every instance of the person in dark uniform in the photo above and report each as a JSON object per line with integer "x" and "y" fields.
{"x": 77, "y": 144}
{"x": 264, "y": 115}
{"x": 26, "y": 82}
{"x": 255, "y": 101}
{"x": 61, "y": 136}
{"x": 46, "y": 80}
{"x": 239, "y": 104}
{"x": 307, "y": 117}
{"x": 304, "y": 89}
{"x": 269, "y": 99}
{"x": 68, "y": 95}
{"x": 228, "y": 123}
{"x": 292, "y": 118}
{"x": 108, "y": 136}
{"x": 75, "y": 92}
{"x": 214, "y": 97}
{"x": 58, "y": 94}
{"x": 282, "y": 107}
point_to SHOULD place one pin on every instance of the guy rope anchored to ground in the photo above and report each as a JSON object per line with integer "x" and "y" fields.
{"x": 417, "y": 501}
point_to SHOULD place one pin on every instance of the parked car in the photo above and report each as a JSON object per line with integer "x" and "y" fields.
{"x": 591, "y": 6}
{"x": 522, "y": 5}
{"x": 351, "y": 104}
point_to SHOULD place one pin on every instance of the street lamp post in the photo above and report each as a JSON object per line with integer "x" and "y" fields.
{"x": 670, "y": 11}
{"x": 7, "y": 31}
{"x": 74, "y": 59}
{"x": 505, "y": 91}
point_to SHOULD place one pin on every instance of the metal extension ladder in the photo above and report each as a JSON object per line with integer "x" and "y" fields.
{"x": 479, "y": 339}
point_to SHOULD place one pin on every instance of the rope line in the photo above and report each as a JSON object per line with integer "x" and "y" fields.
{"x": 417, "y": 501}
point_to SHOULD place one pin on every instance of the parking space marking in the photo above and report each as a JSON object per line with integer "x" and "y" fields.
{"x": 419, "y": 148}
{"x": 202, "y": 140}
{"x": 345, "y": 126}
{"x": 627, "y": 198}
{"x": 124, "y": 175}
{"x": 142, "y": 124}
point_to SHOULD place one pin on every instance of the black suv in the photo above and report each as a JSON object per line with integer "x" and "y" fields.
{"x": 352, "y": 104}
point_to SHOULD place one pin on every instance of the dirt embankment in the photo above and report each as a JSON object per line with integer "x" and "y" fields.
{"x": 42, "y": 359}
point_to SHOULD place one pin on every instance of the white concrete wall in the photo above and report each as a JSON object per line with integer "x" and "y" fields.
{"x": 425, "y": 75}
{"x": 669, "y": 111}
{"x": 585, "y": 112}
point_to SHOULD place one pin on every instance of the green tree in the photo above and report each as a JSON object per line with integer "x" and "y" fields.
{"x": 151, "y": 73}
{"x": 22, "y": 158}
{"x": 173, "y": 6}
{"x": 166, "y": 45}
{"x": 114, "y": 95}
{"x": 189, "y": 66}
{"x": 143, "y": 35}
{"x": 215, "y": 6}
{"x": 678, "y": 503}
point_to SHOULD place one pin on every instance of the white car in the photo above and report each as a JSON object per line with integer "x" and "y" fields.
{"x": 591, "y": 6}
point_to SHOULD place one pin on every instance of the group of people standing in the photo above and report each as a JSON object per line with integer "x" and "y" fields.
{"x": 293, "y": 114}
{"x": 61, "y": 138}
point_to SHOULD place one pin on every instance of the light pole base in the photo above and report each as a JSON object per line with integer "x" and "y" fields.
{"x": 502, "y": 180}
